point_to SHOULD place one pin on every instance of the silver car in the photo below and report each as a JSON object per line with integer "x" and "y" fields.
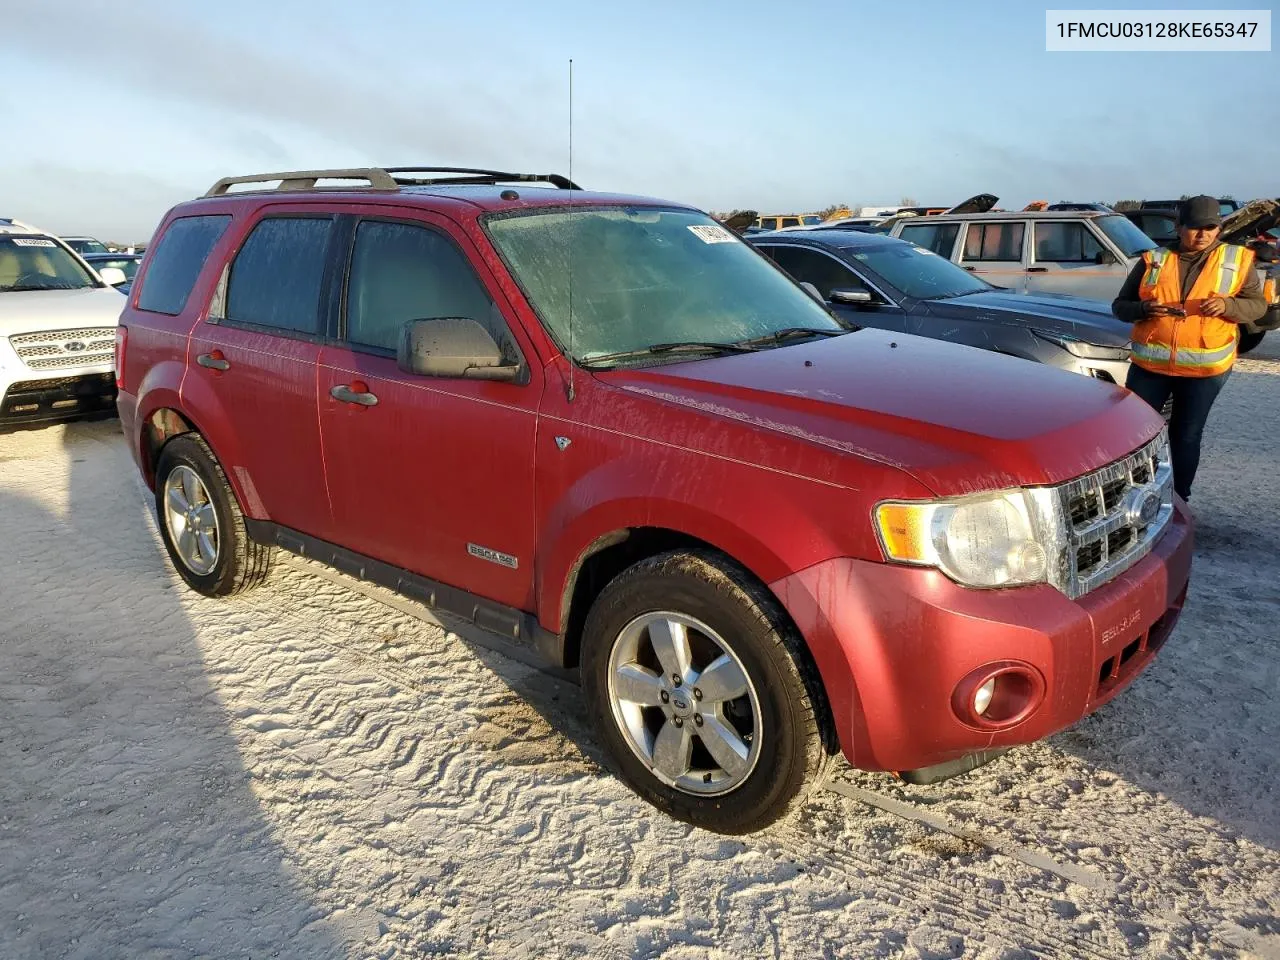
{"x": 1084, "y": 253}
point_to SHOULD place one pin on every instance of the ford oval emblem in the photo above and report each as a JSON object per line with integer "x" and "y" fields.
{"x": 75, "y": 346}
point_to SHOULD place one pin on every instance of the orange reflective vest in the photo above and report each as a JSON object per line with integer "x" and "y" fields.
{"x": 1194, "y": 345}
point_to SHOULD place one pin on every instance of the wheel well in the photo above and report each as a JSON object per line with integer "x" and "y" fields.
{"x": 161, "y": 427}
{"x": 615, "y": 552}
{"x": 604, "y": 560}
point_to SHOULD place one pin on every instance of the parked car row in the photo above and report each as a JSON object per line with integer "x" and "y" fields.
{"x": 610, "y": 429}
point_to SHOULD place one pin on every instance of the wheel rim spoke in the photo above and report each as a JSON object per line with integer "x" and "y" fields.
{"x": 207, "y": 551}
{"x": 671, "y": 643}
{"x": 723, "y": 680}
{"x": 634, "y": 684}
{"x": 725, "y": 746}
{"x": 191, "y": 487}
{"x": 206, "y": 516}
{"x": 187, "y": 546}
{"x": 177, "y": 502}
{"x": 671, "y": 750}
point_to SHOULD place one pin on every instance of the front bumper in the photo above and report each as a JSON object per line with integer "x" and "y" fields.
{"x": 35, "y": 399}
{"x": 893, "y": 643}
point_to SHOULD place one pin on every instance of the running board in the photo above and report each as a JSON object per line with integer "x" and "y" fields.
{"x": 952, "y": 768}
{"x": 507, "y": 622}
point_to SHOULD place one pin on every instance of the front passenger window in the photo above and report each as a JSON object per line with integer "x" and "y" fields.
{"x": 812, "y": 266}
{"x": 401, "y": 272}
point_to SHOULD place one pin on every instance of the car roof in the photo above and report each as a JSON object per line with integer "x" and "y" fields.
{"x": 833, "y": 237}
{"x": 487, "y": 191}
{"x": 1015, "y": 215}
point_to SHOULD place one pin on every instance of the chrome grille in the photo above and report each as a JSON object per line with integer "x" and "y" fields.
{"x": 58, "y": 349}
{"x": 1107, "y": 532}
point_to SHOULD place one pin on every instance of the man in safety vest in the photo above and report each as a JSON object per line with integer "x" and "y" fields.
{"x": 1185, "y": 306}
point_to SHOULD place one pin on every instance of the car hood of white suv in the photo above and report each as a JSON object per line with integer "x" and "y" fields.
{"x": 31, "y": 311}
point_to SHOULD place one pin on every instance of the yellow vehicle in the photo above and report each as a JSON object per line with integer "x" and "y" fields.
{"x": 779, "y": 221}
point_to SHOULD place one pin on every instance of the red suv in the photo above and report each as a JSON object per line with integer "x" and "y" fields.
{"x": 606, "y": 427}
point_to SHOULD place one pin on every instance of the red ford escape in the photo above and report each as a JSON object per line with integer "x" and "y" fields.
{"x": 605, "y": 427}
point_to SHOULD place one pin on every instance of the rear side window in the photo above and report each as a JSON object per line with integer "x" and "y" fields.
{"x": 993, "y": 241}
{"x": 938, "y": 237}
{"x": 276, "y": 277}
{"x": 401, "y": 272}
{"x": 179, "y": 257}
{"x": 1066, "y": 242}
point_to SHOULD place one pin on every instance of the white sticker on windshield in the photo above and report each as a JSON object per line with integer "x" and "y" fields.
{"x": 28, "y": 242}
{"x": 711, "y": 233}
{"x": 925, "y": 251}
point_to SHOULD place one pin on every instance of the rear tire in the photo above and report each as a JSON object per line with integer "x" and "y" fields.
{"x": 730, "y": 749}
{"x": 201, "y": 523}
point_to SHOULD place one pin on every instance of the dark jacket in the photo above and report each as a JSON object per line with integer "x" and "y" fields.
{"x": 1247, "y": 306}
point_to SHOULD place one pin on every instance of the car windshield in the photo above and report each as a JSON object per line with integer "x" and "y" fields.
{"x": 918, "y": 272}
{"x": 644, "y": 276}
{"x": 38, "y": 263}
{"x": 87, "y": 246}
{"x": 1122, "y": 232}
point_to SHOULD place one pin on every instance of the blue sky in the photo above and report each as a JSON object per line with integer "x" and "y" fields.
{"x": 114, "y": 111}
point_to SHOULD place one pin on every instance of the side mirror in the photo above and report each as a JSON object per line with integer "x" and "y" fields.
{"x": 855, "y": 298}
{"x": 1104, "y": 257}
{"x": 112, "y": 276}
{"x": 452, "y": 347}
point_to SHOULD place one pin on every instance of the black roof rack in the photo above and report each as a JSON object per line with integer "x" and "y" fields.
{"x": 380, "y": 178}
{"x": 464, "y": 175}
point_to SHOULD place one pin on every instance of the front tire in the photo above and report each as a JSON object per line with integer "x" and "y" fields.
{"x": 201, "y": 523}
{"x": 1249, "y": 341}
{"x": 706, "y": 700}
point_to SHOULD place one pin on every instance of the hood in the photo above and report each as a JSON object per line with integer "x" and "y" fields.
{"x": 979, "y": 203}
{"x": 1250, "y": 220}
{"x": 957, "y": 419}
{"x": 1077, "y": 317}
{"x": 30, "y": 311}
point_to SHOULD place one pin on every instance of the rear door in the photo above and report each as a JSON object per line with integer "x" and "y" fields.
{"x": 433, "y": 475}
{"x": 994, "y": 250}
{"x": 1069, "y": 258}
{"x": 252, "y": 367}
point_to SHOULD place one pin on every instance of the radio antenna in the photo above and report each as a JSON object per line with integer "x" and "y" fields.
{"x": 572, "y": 364}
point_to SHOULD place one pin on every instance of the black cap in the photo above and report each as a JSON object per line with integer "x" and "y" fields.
{"x": 1199, "y": 213}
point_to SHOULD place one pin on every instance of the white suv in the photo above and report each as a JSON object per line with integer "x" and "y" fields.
{"x": 58, "y": 322}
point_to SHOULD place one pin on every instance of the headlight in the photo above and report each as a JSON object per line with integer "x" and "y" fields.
{"x": 1083, "y": 350}
{"x": 994, "y": 540}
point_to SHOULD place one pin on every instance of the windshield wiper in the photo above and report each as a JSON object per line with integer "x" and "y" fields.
{"x": 792, "y": 333}
{"x": 680, "y": 346}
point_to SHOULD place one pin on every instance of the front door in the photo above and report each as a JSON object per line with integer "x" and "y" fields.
{"x": 252, "y": 370}
{"x": 429, "y": 474}
{"x": 1067, "y": 258}
{"x": 826, "y": 273}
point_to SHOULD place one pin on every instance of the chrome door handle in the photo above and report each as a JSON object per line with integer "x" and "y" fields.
{"x": 1037, "y": 269}
{"x": 344, "y": 393}
{"x": 214, "y": 361}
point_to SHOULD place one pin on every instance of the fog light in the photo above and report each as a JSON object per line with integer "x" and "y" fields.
{"x": 982, "y": 698}
{"x": 1027, "y": 561}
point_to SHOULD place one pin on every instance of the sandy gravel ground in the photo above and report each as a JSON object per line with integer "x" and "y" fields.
{"x": 311, "y": 772}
